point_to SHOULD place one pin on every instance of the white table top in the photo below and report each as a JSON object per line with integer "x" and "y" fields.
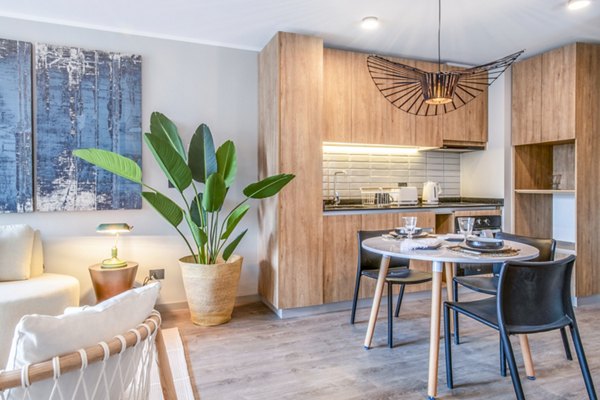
{"x": 391, "y": 248}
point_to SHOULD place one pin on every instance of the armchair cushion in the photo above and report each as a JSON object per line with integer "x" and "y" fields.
{"x": 40, "y": 337}
{"x": 16, "y": 244}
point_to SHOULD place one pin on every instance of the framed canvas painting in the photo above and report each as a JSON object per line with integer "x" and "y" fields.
{"x": 85, "y": 98}
{"x": 16, "y": 154}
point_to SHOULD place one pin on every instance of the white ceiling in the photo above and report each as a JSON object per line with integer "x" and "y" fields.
{"x": 473, "y": 31}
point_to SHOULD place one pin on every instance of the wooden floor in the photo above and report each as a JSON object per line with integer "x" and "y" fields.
{"x": 257, "y": 356}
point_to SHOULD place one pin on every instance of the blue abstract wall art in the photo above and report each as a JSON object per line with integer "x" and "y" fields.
{"x": 15, "y": 127}
{"x": 85, "y": 98}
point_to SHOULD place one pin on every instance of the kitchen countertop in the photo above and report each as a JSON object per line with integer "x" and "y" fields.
{"x": 446, "y": 206}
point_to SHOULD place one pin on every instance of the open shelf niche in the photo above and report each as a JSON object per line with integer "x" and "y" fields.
{"x": 535, "y": 166}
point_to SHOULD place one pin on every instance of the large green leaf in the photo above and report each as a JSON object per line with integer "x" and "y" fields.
{"x": 165, "y": 207}
{"x": 112, "y": 162}
{"x": 199, "y": 235}
{"x": 234, "y": 219}
{"x": 267, "y": 187}
{"x": 165, "y": 129}
{"x": 231, "y": 246}
{"x": 169, "y": 161}
{"x": 202, "y": 158}
{"x": 227, "y": 162}
{"x": 195, "y": 213}
{"x": 214, "y": 193}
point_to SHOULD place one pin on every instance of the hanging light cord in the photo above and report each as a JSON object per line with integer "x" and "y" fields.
{"x": 439, "y": 34}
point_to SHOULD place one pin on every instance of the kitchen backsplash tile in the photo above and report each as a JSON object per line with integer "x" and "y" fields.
{"x": 374, "y": 170}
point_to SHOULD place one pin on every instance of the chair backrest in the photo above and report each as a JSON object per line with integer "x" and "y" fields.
{"x": 535, "y": 294}
{"x": 118, "y": 369}
{"x": 370, "y": 260}
{"x": 547, "y": 247}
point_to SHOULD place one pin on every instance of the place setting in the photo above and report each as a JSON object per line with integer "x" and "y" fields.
{"x": 466, "y": 242}
{"x": 412, "y": 237}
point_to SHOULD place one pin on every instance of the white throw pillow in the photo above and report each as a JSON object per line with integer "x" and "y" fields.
{"x": 16, "y": 243}
{"x": 40, "y": 337}
{"x": 37, "y": 255}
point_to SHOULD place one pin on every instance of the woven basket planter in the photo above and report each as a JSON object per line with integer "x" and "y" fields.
{"x": 211, "y": 289}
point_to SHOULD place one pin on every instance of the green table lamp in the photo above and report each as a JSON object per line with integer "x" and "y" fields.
{"x": 114, "y": 229}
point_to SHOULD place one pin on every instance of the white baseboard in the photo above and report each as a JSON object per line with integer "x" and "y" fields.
{"x": 183, "y": 305}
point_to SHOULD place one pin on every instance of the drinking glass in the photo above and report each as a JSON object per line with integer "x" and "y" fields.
{"x": 410, "y": 223}
{"x": 465, "y": 224}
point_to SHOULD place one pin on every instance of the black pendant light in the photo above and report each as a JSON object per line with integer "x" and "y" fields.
{"x": 433, "y": 93}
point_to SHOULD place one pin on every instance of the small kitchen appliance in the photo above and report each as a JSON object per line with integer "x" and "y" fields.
{"x": 431, "y": 192}
{"x": 405, "y": 196}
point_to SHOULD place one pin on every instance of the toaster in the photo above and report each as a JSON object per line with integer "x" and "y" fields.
{"x": 405, "y": 196}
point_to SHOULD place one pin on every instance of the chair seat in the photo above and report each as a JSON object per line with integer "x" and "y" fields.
{"x": 485, "y": 311}
{"x": 401, "y": 275}
{"x": 481, "y": 284}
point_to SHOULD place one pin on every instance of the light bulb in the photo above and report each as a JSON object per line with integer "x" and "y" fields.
{"x": 370, "y": 23}
{"x": 578, "y": 4}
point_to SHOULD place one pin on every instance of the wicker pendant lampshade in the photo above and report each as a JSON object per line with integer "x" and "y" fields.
{"x": 425, "y": 93}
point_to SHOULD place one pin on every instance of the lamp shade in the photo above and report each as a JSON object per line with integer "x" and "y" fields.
{"x": 114, "y": 228}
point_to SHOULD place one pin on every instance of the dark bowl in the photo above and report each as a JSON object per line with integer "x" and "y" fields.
{"x": 402, "y": 231}
{"x": 485, "y": 243}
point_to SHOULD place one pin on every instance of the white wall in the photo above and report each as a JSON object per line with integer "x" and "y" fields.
{"x": 488, "y": 173}
{"x": 191, "y": 84}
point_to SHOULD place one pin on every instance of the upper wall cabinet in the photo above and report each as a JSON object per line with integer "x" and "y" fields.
{"x": 337, "y": 95}
{"x": 355, "y": 111}
{"x": 469, "y": 124}
{"x": 543, "y": 97}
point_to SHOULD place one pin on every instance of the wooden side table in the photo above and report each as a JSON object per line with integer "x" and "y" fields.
{"x": 109, "y": 282}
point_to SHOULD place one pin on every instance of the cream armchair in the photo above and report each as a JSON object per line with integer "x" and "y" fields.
{"x": 24, "y": 286}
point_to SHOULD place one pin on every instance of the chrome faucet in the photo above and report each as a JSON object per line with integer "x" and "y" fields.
{"x": 336, "y": 195}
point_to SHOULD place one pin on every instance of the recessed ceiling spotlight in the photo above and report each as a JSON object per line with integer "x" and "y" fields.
{"x": 578, "y": 4}
{"x": 370, "y": 23}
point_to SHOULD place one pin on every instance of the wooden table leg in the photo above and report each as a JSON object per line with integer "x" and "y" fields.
{"x": 527, "y": 360}
{"x": 434, "y": 338}
{"x": 383, "y": 270}
{"x": 449, "y": 270}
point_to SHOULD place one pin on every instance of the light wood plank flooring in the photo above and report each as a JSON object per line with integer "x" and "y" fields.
{"x": 257, "y": 356}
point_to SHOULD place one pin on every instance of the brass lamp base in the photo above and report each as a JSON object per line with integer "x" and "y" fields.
{"x": 113, "y": 262}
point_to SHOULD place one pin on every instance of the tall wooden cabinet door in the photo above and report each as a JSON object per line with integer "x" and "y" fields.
{"x": 558, "y": 94}
{"x": 398, "y": 125}
{"x": 469, "y": 123}
{"x": 428, "y": 131}
{"x": 300, "y": 251}
{"x": 527, "y": 101}
{"x": 367, "y": 104}
{"x": 337, "y": 95}
{"x": 340, "y": 255}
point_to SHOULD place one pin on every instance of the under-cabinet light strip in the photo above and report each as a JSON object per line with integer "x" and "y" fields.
{"x": 366, "y": 149}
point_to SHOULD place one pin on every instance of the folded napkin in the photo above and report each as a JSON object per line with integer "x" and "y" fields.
{"x": 414, "y": 244}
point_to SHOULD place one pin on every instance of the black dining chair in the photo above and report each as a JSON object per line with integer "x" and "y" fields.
{"x": 489, "y": 284}
{"x": 399, "y": 273}
{"x": 532, "y": 297}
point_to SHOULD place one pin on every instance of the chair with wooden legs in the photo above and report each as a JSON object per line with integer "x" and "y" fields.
{"x": 532, "y": 297}
{"x": 398, "y": 274}
{"x": 489, "y": 284}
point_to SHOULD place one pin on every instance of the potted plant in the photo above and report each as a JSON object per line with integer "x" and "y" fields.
{"x": 211, "y": 271}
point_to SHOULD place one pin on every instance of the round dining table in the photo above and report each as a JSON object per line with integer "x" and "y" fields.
{"x": 445, "y": 255}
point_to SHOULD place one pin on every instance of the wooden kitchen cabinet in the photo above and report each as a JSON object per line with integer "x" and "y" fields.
{"x": 468, "y": 125}
{"x": 367, "y": 105}
{"x": 561, "y": 136}
{"x": 544, "y": 90}
{"x": 337, "y": 95}
{"x": 526, "y": 101}
{"x": 558, "y": 94}
{"x": 340, "y": 252}
{"x": 290, "y": 129}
